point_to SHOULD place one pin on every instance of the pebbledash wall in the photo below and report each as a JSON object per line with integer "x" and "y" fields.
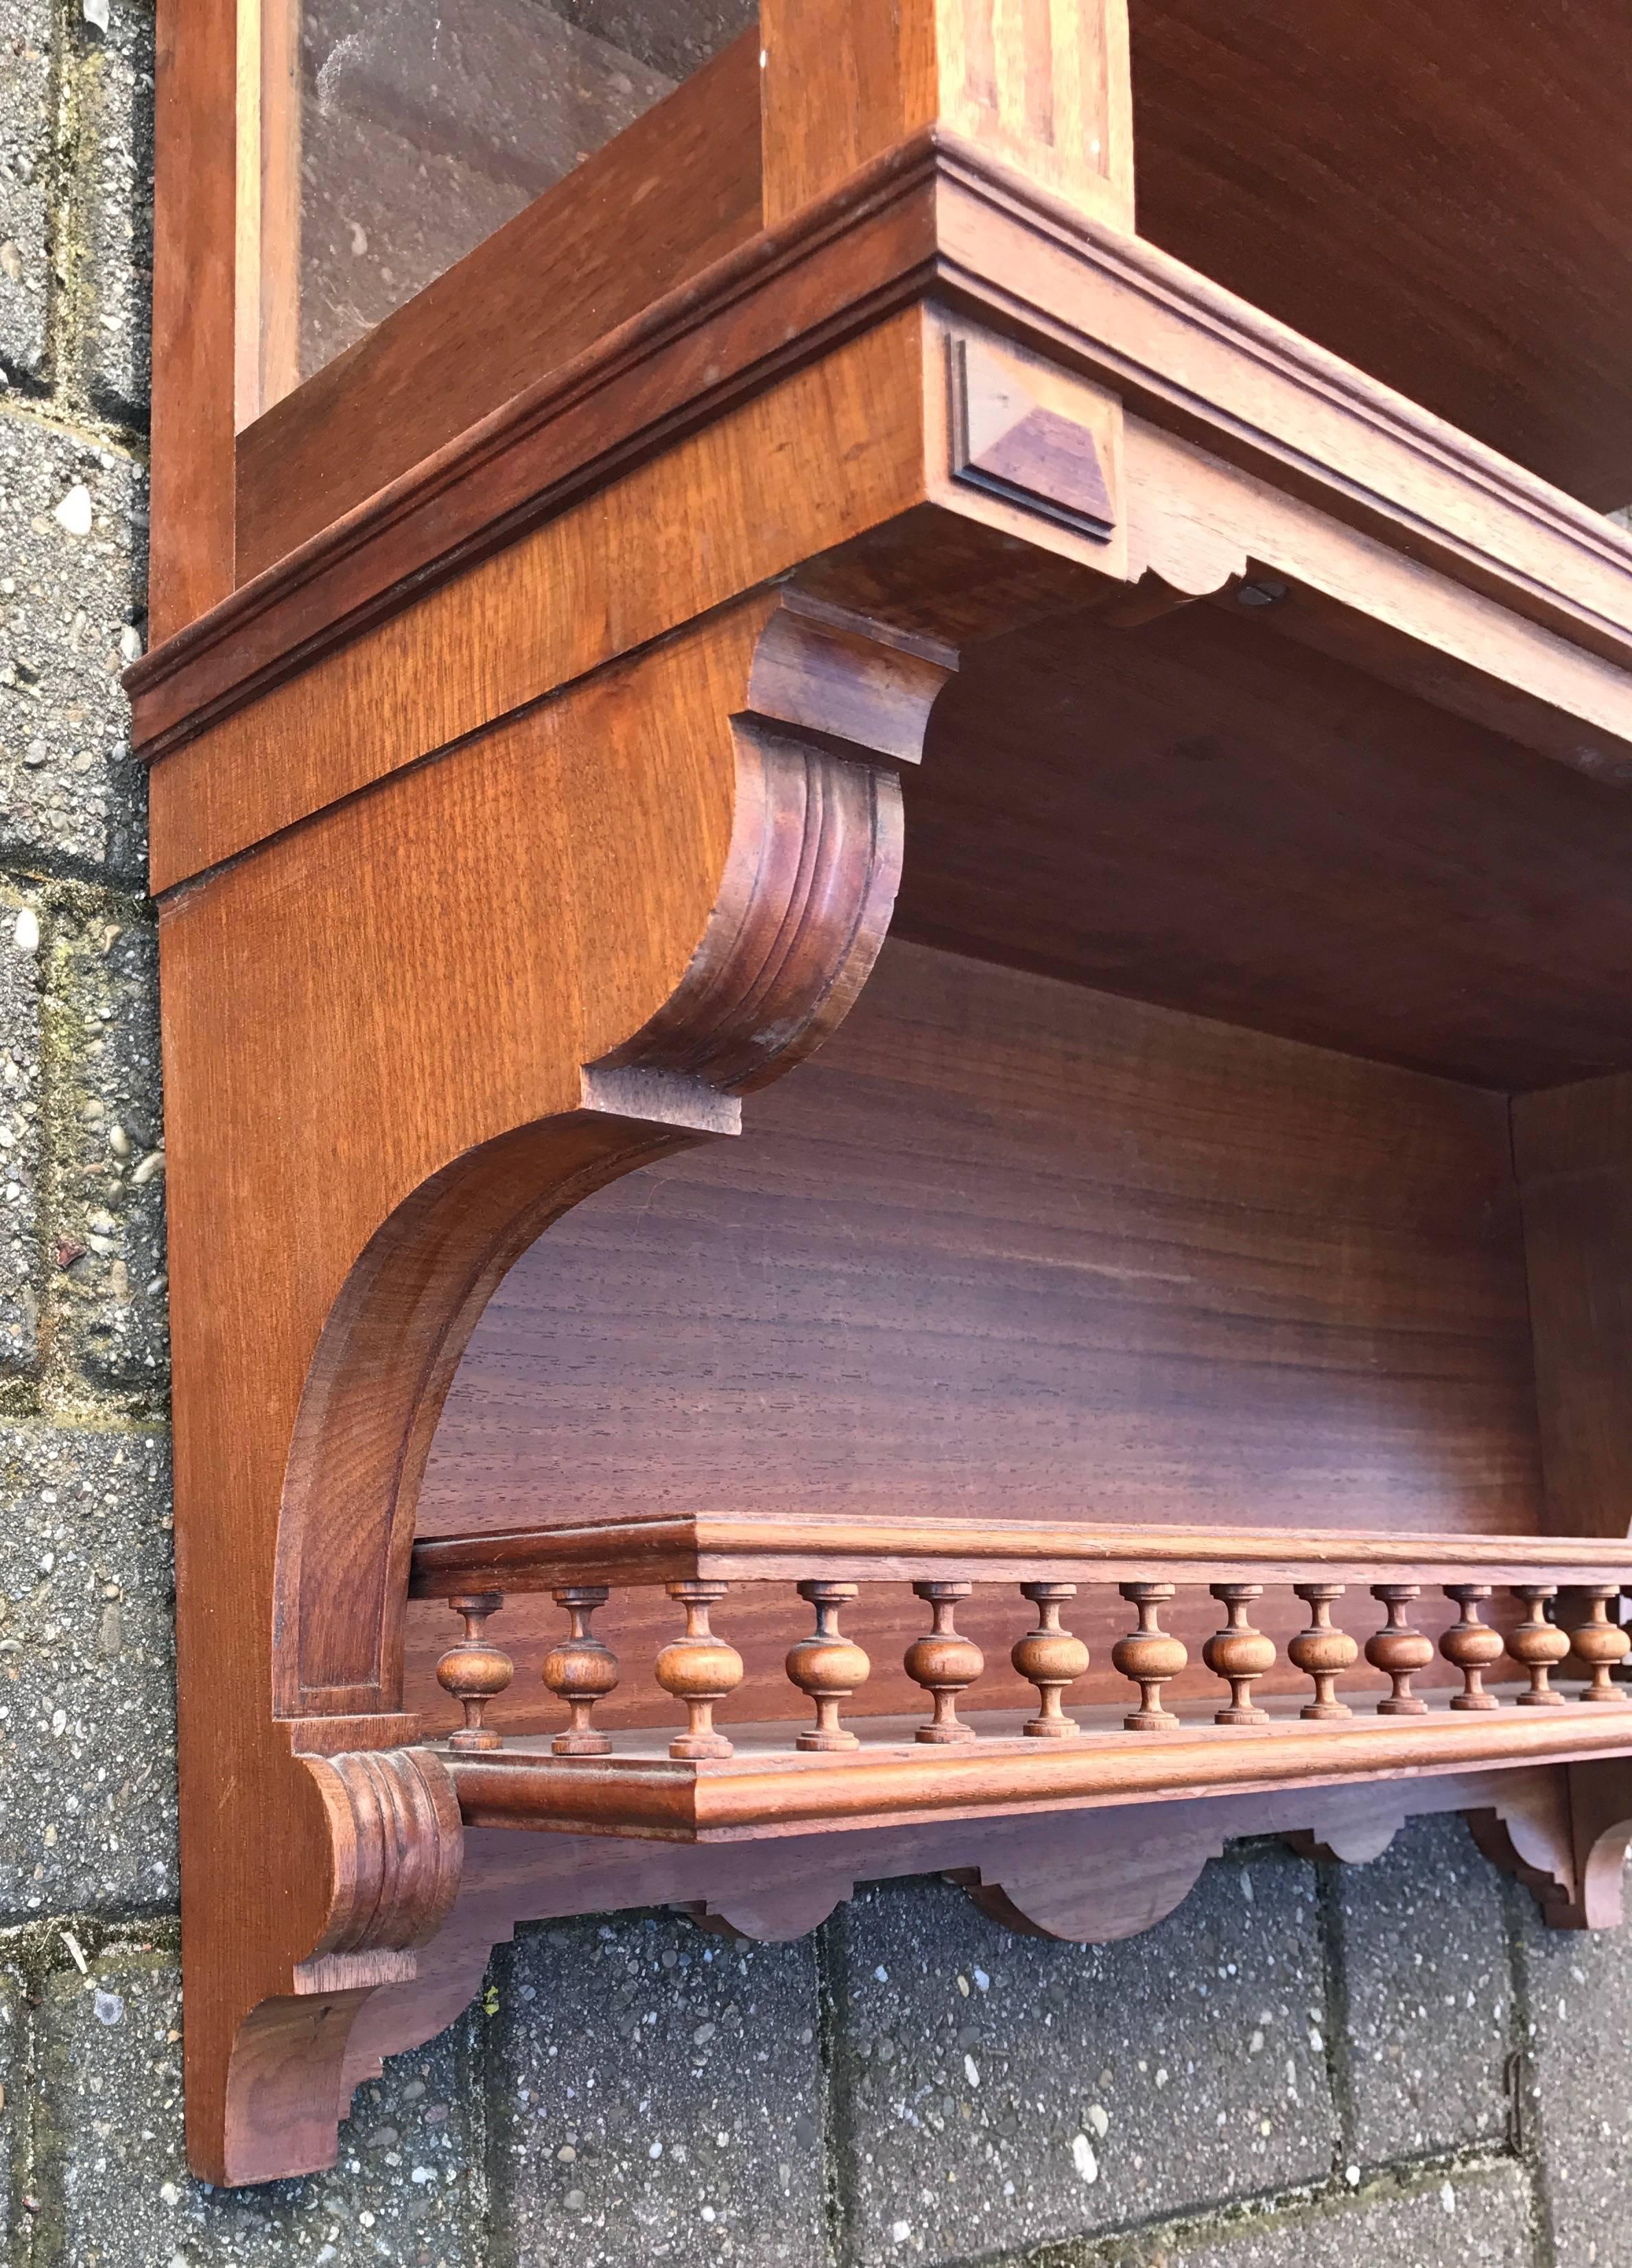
{"x": 1392, "y": 2063}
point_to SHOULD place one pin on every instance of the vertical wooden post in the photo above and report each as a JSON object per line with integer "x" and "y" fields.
{"x": 268, "y": 316}
{"x": 1041, "y": 85}
{"x": 195, "y": 240}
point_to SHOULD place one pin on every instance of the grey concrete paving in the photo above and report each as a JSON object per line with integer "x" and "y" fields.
{"x": 1429, "y": 1998}
{"x": 87, "y": 1731}
{"x": 113, "y": 88}
{"x": 114, "y": 2188}
{"x": 13, "y": 2101}
{"x": 994, "y": 2090}
{"x": 655, "y": 2095}
{"x": 25, "y": 175}
{"x": 1481, "y": 2220}
{"x": 72, "y": 546}
{"x": 1577, "y": 1999}
{"x": 106, "y": 1270}
{"x": 21, "y": 1263}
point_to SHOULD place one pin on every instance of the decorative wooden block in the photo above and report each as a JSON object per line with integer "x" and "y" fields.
{"x": 1012, "y": 445}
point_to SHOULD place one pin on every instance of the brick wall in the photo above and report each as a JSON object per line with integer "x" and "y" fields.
{"x": 1392, "y": 2063}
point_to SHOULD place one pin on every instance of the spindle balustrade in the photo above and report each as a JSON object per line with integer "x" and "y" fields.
{"x": 699, "y": 1563}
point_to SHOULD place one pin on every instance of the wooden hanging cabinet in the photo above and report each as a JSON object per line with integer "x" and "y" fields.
{"x": 1153, "y": 704}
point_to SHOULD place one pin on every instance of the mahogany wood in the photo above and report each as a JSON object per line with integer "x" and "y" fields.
{"x": 1092, "y": 1876}
{"x": 768, "y": 1787}
{"x": 267, "y": 278}
{"x": 1203, "y": 813}
{"x": 522, "y": 821}
{"x": 1269, "y": 235}
{"x": 1573, "y": 1148}
{"x": 674, "y": 192}
{"x": 1103, "y": 303}
{"x": 728, "y": 898}
{"x": 1447, "y": 223}
{"x": 1041, "y": 83}
{"x": 1113, "y": 1262}
{"x": 1043, "y": 1316}
{"x": 190, "y": 562}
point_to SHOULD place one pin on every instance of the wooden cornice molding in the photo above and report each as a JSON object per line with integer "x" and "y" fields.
{"x": 712, "y": 1547}
{"x": 937, "y": 217}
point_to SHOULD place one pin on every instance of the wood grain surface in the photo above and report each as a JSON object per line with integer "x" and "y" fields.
{"x": 194, "y": 230}
{"x": 1008, "y": 1248}
{"x": 769, "y": 1790}
{"x": 516, "y": 828}
{"x": 1040, "y": 83}
{"x": 674, "y": 191}
{"x": 1573, "y": 1148}
{"x": 1205, "y": 813}
{"x": 1436, "y": 189}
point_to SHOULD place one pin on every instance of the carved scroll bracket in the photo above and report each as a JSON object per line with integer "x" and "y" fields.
{"x": 745, "y": 773}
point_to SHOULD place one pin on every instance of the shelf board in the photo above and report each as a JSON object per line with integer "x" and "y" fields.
{"x": 767, "y": 1788}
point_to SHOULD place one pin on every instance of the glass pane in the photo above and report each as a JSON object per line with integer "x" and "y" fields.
{"x": 414, "y": 128}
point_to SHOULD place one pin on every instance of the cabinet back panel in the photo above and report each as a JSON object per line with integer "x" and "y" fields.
{"x": 1009, "y": 1247}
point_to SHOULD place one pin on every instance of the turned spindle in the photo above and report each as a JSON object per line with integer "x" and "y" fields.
{"x": 1601, "y": 1644}
{"x": 1538, "y": 1646}
{"x": 701, "y": 1669}
{"x": 1050, "y": 1659}
{"x": 1322, "y": 1651}
{"x": 944, "y": 1661}
{"x": 827, "y": 1666}
{"x": 1399, "y": 1651}
{"x": 1239, "y": 1654}
{"x": 582, "y": 1669}
{"x": 474, "y": 1671}
{"x": 1471, "y": 1646}
{"x": 1149, "y": 1658}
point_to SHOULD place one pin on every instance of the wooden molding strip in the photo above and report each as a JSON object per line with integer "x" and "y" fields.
{"x": 1387, "y": 431}
{"x": 660, "y": 1549}
{"x": 935, "y": 212}
{"x": 752, "y": 1794}
{"x": 531, "y": 297}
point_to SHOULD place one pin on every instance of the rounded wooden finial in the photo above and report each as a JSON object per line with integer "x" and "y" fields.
{"x": 1471, "y": 1646}
{"x": 473, "y": 1672}
{"x": 1538, "y": 1646}
{"x": 1149, "y": 1657}
{"x": 1322, "y": 1652}
{"x": 699, "y": 1669}
{"x": 1239, "y": 1654}
{"x": 827, "y": 1666}
{"x": 944, "y": 1662}
{"x": 1050, "y": 1659}
{"x": 582, "y": 1669}
{"x": 1399, "y": 1651}
{"x": 1602, "y": 1645}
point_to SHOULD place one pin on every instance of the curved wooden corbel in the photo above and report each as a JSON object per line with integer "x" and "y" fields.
{"x": 1565, "y": 1836}
{"x": 398, "y": 1841}
{"x": 694, "y": 857}
{"x": 774, "y": 1915}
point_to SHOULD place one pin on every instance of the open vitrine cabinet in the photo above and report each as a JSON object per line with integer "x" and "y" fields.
{"x": 891, "y": 764}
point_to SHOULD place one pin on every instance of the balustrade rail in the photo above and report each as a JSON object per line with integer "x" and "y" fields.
{"x": 827, "y": 1561}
